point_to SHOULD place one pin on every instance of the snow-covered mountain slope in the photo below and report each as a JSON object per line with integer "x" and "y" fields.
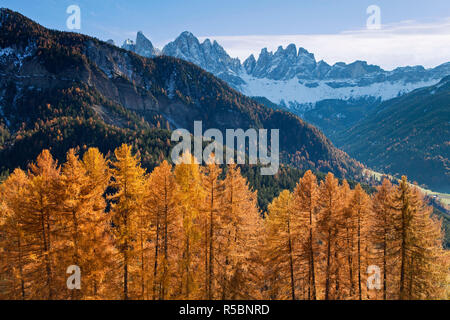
{"x": 295, "y": 92}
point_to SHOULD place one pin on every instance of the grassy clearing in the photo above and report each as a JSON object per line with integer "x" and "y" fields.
{"x": 442, "y": 197}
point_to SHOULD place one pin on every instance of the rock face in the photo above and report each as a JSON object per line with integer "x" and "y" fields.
{"x": 287, "y": 64}
{"x": 284, "y": 64}
{"x": 208, "y": 55}
{"x": 129, "y": 45}
{"x": 291, "y": 63}
{"x": 249, "y": 64}
{"x": 142, "y": 46}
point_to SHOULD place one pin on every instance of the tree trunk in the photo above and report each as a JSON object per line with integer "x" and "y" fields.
{"x": 350, "y": 261}
{"x": 403, "y": 249}
{"x": 327, "y": 279}
{"x": 211, "y": 247}
{"x": 163, "y": 288}
{"x": 311, "y": 255}
{"x": 22, "y": 282}
{"x": 76, "y": 254}
{"x": 125, "y": 259}
{"x": 155, "y": 267}
{"x": 142, "y": 266}
{"x": 359, "y": 255}
{"x": 384, "y": 266}
{"x": 291, "y": 262}
{"x": 46, "y": 246}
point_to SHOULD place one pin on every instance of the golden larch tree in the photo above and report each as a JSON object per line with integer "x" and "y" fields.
{"x": 100, "y": 252}
{"x": 359, "y": 218}
{"x": 13, "y": 238}
{"x": 42, "y": 223}
{"x": 330, "y": 202}
{"x": 161, "y": 202}
{"x": 213, "y": 189}
{"x": 128, "y": 182}
{"x": 241, "y": 225}
{"x": 191, "y": 197}
{"x": 305, "y": 206}
{"x": 383, "y": 236}
{"x": 280, "y": 246}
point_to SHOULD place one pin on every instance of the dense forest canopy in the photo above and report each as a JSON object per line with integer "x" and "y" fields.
{"x": 195, "y": 232}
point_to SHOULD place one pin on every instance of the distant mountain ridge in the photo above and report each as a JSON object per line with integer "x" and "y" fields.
{"x": 332, "y": 97}
{"x": 293, "y": 77}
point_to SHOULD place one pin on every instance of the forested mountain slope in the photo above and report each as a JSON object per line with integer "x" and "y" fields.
{"x": 407, "y": 135}
{"x": 60, "y": 90}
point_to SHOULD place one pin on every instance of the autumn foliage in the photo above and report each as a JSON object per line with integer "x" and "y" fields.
{"x": 195, "y": 232}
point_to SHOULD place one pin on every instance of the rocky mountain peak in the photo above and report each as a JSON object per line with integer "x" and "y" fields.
{"x": 129, "y": 45}
{"x": 187, "y": 35}
{"x": 144, "y": 46}
{"x": 284, "y": 63}
{"x": 209, "y": 55}
{"x": 207, "y": 43}
{"x": 186, "y": 46}
{"x": 289, "y": 63}
{"x": 249, "y": 64}
{"x": 291, "y": 50}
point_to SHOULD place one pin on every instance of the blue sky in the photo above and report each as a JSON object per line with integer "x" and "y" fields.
{"x": 244, "y": 26}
